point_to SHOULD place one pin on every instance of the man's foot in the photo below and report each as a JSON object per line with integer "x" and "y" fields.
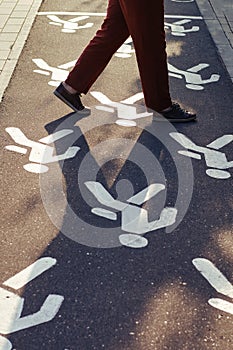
{"x": 176, "y": 114}
{"x": 72, "y": 100}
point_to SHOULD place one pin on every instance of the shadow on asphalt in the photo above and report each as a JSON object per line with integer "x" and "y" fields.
{"x": 123, "y": 298}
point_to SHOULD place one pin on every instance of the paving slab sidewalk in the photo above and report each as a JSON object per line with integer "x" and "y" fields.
{"x": 218, "y": 15}
{"x": 17, "y": 17}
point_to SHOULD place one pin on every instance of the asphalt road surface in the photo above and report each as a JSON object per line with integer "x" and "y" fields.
{"x": 123, "y": 224}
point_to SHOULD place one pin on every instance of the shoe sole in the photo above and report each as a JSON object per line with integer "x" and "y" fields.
{"x": 82, "y": 111}
{"x": 185, "y": 120}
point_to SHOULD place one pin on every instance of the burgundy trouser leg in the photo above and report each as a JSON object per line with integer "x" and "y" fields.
{"x": 98, "y": 53}
{"x": 144, "y": 21}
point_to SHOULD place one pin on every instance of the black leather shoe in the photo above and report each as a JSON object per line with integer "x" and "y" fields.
{"x": 72, "y": 100}
{"x": 177, "y": 115}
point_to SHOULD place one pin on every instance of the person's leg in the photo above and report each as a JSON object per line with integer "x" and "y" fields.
{"x": 145, "y": 20}
{"x": 99, "y": 51}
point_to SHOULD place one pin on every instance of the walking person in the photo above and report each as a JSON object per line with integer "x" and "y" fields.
{"x": 144, "y": 21}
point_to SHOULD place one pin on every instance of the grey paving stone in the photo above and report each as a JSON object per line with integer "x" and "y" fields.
{"x": 16, "y": 18}
{"x": 8, "y": 36}
{"x": 11, "y": 28}
{"x": 226, "y": 29}
{"x": 21, "y": 7}
{"x": 231, "y": 25}
{"x": 217, "y": 32}
{"x": 229, "y": 15}
{"x": 230, "y": 71}
{"x": 226, "y": 52}
{"x": 206, "y": 9}
{"x": 223, "y": 20}
{"x": 15, "y": 21}
{"x": 5, "y": 10}
{"x": 2, "y": 62}
{"x": 10, "y": 65}
{"x": 6, "y": 45}
{"x": 4, "y": 54}
{"x": 7, "y": 2}
{"x": 19, "y": 14}
{"x": 4, "y": 81}
{"x": 220, "y": 5}
{"x": 230, "y": 38}
{"x": 7, "y": 5}
{"x": 3, "y": 20}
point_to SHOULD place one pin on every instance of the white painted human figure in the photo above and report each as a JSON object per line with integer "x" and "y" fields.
{"x": 215, "y": 160}
{"x": 11, "y": 304}
{"x": 192, "y": 77}
{"x": 178, "y": 29}
{"x": 58, "y": 74}
{"x": 134, "y": 219}
{"x": 126, "y": 112}
{"x": 218, "y": 281}
{"x": 41, "y": 153}
{"x": 70, "y": 26}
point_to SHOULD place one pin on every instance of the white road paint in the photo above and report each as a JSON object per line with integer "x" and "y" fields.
{"x": 67, "y": 13}
{"x": 221, "y": 142}
{"x": 214, "y": 159}
{"x": 211, "y": 273}
{"x": 218, "y": 281}
{"x": 222, "y": 305}
{"x": 42, "y": 72}
{"x": 183, "y": 0}
{"x": 107, "y": 214}
{"x": 126, "y": 50}
{"x": 126, "y": 123}
{"x": 67, "y": 65}
{"x": 132, "y": 99}
{"x": 41, "y": 153}
{"x": 5, "y": 344}
{"x": 133, "y": 241}
{"x": 30, "y": 273}
{"x": 16, "y": 149}
{"x": 57, "y": 74}
{"x": 102, "y": 195}
{"x": 11, "y": 304}
{"x": 190, "y": 154}
{"x": 36, "y": 168}
{"x": 124, "y": 109}
{"x": 193, "y": 79}
{"x": 133, "y": 218}
{"x": 11, "y": 307}
{"x": 71, "y": 25}
{"x": 178, "y": 28}
{"x": 103, "y": 14}
{"x": 218, "y": 174}
{"x": 146, "y": 194}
